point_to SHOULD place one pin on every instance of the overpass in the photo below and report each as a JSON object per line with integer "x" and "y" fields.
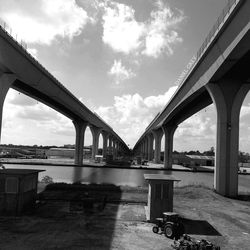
{"x": 221, "y": 76}
{"x": 22, "y": 72}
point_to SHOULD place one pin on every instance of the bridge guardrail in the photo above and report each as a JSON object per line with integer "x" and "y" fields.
{"x": 227, "y": 10}
{"x": 23, "y": 46}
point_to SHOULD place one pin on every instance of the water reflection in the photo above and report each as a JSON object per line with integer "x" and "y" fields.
{"x": 130, "y": 177}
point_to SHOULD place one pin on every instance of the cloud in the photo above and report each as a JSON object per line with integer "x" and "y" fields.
{"x": 161, "y": 36}
{"x": 41, "y": 21}
{"x": 120, "y": 73}
{"x": 245, "y": 111}
{"x": 131, "y": 114}
{"x": 33, "y": 52}
{"x": 154, "y": 37}
{"x": 120, "y": 29}
{"x": 26, "y": 121}
{"x": 18, "y": 99}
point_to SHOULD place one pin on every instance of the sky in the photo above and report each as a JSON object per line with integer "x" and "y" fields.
{"x": 120, "y": 58}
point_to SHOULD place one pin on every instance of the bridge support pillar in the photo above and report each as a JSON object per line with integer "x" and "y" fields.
{"x": 146, "y": 148}
{"x": 105, "y": 144}
{"x": 143, "y": 148}
{"x": 157, "y": 152}
{"x": 168, "y": 151}
{"x": 80, "y": 127}
{"x": 227, "y": 96}
{"x": 114, "y": 149}
{"x": 6, "y": 81}
{"x": 150, "y": 146}
{"x": 110, "y": 145}
{"x": 95, "y": 135}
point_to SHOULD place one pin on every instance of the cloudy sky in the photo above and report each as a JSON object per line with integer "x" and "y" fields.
{"x": 121, "y": 58}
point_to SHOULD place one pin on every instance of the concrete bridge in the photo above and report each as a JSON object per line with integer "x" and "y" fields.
{"x": 20, "y": 71}
{"x": 220, "y": 75}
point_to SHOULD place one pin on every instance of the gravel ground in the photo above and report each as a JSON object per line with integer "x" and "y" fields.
{"x": 69, "y": 225}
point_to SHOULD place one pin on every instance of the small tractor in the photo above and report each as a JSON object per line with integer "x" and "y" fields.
{"x": 170, "y": 224}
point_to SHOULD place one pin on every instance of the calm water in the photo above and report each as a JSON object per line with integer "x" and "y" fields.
{"x": 130, "y": 177}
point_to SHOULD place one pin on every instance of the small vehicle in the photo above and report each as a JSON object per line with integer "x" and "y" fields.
{"x": 188, "y": 243}
{"x": 170, "y": 224}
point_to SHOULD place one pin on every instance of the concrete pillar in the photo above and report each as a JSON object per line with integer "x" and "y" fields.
{"x": 157, "y": 137}
{"x": 150, "y": 146}
{"x": 144, "y": 148}
{"x": 114, "y": 149}
{"x": 118, "y": 148}
{"x": 105, "y": 143}
{"x": 95, "y": 135}
{"x": 6, "y": 81}
{"x": 110, "y": 145}
{"x": 169, "y": 136}
{"x": 227, "y": 96}
{"x": 80, "y": 127}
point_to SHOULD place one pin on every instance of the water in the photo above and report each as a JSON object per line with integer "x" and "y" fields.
{"x": 129, "y": 177}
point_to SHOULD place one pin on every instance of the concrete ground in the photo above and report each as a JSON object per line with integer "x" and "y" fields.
{"x": 121, "y": 223}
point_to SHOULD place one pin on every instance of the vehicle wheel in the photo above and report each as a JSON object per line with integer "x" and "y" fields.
{"x": 155, "y": 229}
{"x": 169, "y": 231}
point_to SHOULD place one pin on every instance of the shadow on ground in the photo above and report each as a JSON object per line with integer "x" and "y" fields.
{"x": 96, "y": 207}
{"x": 68, "y": 217}
{"x": 243, "y": 197}
{"x": 199, "y": 227}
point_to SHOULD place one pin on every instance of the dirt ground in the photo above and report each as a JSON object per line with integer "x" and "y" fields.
{"x": 119, "y": 222}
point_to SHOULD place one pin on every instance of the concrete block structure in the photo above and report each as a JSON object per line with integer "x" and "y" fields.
{"x": 18, "y": 190}
{"x": 160, "y": 195}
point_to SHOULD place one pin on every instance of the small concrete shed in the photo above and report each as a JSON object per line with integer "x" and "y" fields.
{"x": 18, "y": 190}
{"x": 160, "y": 195}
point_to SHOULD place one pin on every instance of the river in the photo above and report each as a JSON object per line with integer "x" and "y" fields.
{"x": 129, "y": 177}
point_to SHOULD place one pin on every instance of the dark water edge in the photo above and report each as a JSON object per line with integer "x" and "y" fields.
{"x": 124, "y": 176}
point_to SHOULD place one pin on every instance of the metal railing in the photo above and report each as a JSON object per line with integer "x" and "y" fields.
{"x": 228, "y": 9}
{"x": 23, "y": 46}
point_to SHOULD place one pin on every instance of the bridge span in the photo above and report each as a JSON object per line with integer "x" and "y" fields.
{"x": 221, "y": 76}
{"x": 22, "y": 72}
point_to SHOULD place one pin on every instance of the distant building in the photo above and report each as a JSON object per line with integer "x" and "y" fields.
{"x": 193, "y": 160}
{"x": 67, "y": 152}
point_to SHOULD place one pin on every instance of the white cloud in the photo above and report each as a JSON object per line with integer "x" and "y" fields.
{"x": 131, "y": 114}
{"x": 41, "y": 21}
{"x": 33, "y": 52}
{"x": 120, "y": 29}
{"x": 160, "y": 36}
{"x": 245, "y": 111}
{"x": 120, "y": 73}
{"x": 152, "y": 38}
{"x": 26, "y": 121}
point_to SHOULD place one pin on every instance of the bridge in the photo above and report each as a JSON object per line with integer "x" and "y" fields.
{"x": 221, "y": 76}
{"x": 22, "y": 72}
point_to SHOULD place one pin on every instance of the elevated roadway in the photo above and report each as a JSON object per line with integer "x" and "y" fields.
{"x": 22, "y": 72}
{"x": 221, "y": 76}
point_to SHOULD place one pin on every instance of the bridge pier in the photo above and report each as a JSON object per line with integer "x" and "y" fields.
{"x": 157, "y": 137}
{"x": 80, "y": 127}
{"x": 110, "y": 145}
{"x": 115, "y": 149}
{"x": 6, "y": 81}
{"x": 95, "y": 143}
{"x": 105, "y": 144}
{"x": 168, "y": 151}
{"x": 150, "y": 146}
{"x": 227, "y": 96}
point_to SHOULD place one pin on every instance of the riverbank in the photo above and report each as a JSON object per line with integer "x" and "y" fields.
{"x": 62, "y": 221}
{"x": 65, "y": 162}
